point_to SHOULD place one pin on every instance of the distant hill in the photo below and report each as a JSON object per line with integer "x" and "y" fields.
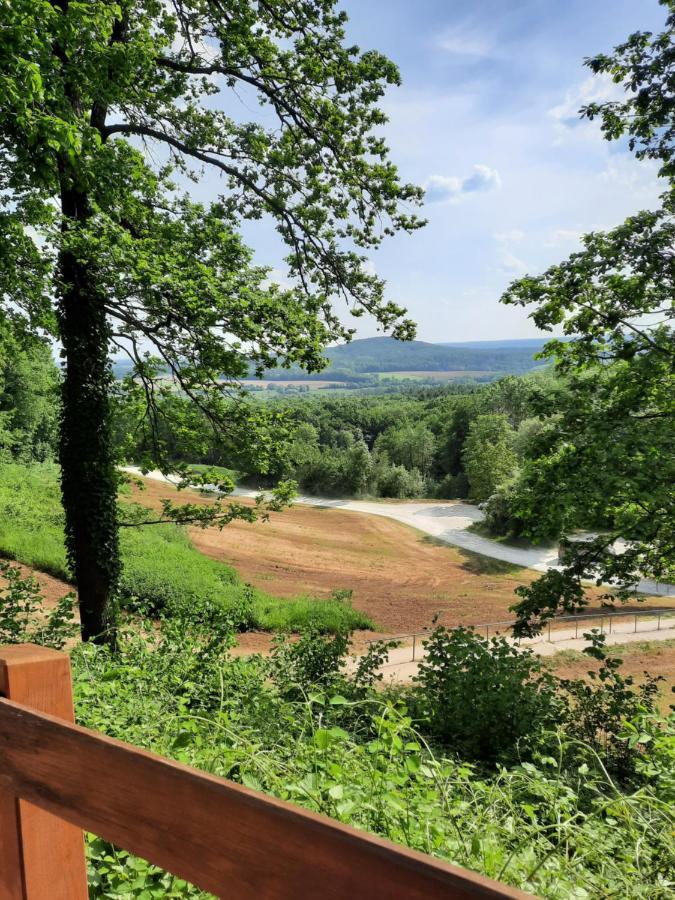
{"x": 533, "y": 344}
{"x": 384, "y": 354}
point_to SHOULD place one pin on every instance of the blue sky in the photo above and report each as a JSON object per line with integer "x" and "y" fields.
{"x": 487, "y": 121}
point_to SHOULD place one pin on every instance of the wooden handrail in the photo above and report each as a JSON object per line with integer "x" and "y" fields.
{"x": 41, "y": 855}
{"x": 221, "y": 836}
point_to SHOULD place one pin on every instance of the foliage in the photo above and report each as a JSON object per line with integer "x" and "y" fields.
{"x": 126, "y": 260}
{"x": 489, "y": 458}
{"x": 599, "y": 709}
{"x": 312, "y": 663}
{"x": 482, "y": 698}
{"x": 407, "y": 444}
{"x": 23, "y": 618}
{"x": 610, "y": 457}
{"x": 161, "y": 571}
{"x": 556, "y": 825}
{"x": 29, "y": 383}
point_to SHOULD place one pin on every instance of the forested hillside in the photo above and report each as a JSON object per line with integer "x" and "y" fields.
{"x": 385, "y": 354}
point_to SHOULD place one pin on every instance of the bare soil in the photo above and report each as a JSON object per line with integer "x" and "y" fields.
{"x": 402, "y": 578}
{"x": 655, "y": 657}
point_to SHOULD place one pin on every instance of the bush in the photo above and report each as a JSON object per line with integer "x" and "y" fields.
{"x": 501, "y": 519}
{"x": 23, "y": 617}
{"x": 600, "y": 708}
{"x": 453, "y": 487}
{"x": 482, "y": 698}
{"x": 401, "y": 483}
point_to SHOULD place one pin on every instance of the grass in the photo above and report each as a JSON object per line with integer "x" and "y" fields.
{"x": 222, "y": 471}
{"x": 327, "y": 616}
{"x": 160, "y": 565}
{"x": 643, "y": 648}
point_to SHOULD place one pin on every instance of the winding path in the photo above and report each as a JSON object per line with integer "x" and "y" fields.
{"x": 446, "y": 521}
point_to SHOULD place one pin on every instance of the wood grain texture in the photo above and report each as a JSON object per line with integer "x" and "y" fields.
{"x": 222, "y": 837}
{"x": 41, "y": 855}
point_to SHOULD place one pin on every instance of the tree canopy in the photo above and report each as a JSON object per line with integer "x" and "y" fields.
{"x": 610, "y": 460}
{"x": 109, "y": 113}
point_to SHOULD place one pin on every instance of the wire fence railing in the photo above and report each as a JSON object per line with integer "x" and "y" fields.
{"x": 558, "y": 628}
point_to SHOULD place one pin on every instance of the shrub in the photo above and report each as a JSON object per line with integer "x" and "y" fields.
{"x": 501, "y": 518}
{"x": 453, "y": 487}
{"x": 23, "y": 617}
{"x": 599, "y": 709}
{"x": 401, "y": 483}
{"x": 313, "y": 662}
{"x": 482, "y": 698}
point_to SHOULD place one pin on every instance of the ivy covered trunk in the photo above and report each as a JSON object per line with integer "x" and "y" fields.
{"x": 88, "y": 474}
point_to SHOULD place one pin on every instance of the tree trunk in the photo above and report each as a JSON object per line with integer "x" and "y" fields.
{"x": 88, "y": 473}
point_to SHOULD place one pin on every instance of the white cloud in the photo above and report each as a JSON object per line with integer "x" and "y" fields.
{"x": 463, "y": 40}
{"x": 511, "y": 263}
{"x": 563, "y": 237}
{"x": 514, "y": 236}
{"x": 449, "y": 188}
{"x": 595, "y": 89}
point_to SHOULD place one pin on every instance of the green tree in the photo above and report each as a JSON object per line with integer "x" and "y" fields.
{"x": 412, "y": 446}
{"x": 101, "y": 106}
{"x": 29, "y": 385}
{"x": 489, "y": 457}
{"x": 360, "y": 468}
{"x": 611, "y": 458}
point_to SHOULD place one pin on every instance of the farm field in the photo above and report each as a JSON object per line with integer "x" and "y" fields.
{"x": 291, "y": 382}
{"x": 436, "y": 376}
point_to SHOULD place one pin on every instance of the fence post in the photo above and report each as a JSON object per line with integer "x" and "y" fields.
{"x": 41, "y": 856}
{"x": 414, "y": 637}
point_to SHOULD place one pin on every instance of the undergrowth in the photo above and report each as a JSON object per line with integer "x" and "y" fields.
{"x": 161, "y": 569}
{"x": 560, "y": 814}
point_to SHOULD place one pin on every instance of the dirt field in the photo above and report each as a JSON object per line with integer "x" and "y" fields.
{"x": 436, "y": 376}
{"x": 312, "y": 385}
{"x": 400, "y": 577}
{"x": 657, "y": 658}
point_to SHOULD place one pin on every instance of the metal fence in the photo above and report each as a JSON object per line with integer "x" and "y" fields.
{"x": 665, "y": 619}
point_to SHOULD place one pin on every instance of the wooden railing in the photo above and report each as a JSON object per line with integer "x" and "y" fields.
{"x": 57, "y": 779}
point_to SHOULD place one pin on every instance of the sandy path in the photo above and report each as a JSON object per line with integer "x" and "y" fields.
{"x": 446, "y": 521}
{"x": 400, "y": 666}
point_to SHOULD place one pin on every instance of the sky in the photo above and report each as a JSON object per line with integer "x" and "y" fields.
{"x": 486, "y": 121}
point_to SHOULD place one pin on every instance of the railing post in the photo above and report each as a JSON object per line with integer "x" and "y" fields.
{"x": 41, "y": 856}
